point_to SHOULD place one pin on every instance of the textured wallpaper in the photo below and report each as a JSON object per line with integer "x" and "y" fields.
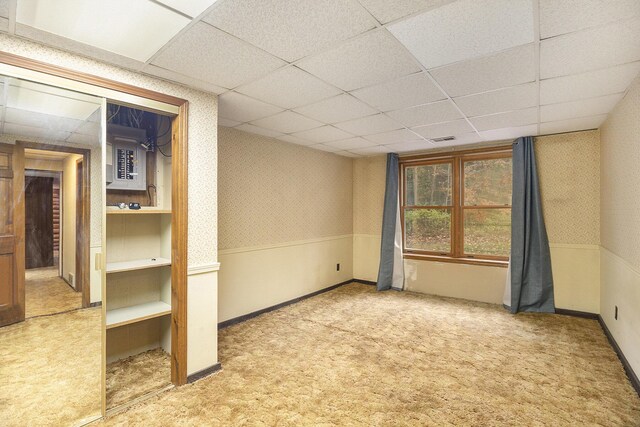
{"x": 569, "y": 174}
{"x": 272, "y": 192}
{"x": 369, "y": 174}
{"x": 620, "y": 154}
{"x": 203, "y": 113}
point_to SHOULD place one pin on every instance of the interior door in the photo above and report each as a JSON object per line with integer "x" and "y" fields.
{"x": 11, "y": 234}
{"x": 38, "y": 221}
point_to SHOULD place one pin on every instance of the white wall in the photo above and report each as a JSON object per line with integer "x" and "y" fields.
{"x": 69, "y": 183}
{"x": 258, "y": 277}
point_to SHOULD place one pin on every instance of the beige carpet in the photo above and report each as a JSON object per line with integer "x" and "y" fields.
{"x": 50, "y": 369}
{"x": 356, "y": 357}
{"x": 135, "y": 376}
{"x": 46, "y": 293}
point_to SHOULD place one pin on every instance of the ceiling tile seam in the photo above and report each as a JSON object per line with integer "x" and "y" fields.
{"x": 475, "y": 58}
{"x": 378, "y": 23}
{"x": 186, "y": 28}
{"x": 590, "y": 70}
{"x": 145, "y": 71}
{"x": 171, "y": 9}
{"x": 536, "y": 53}
{"x": 575, "y": 118}
{"x": 581, "y": 100}
{"x": 13, "y": 10}
{"x": 593, "y": 27}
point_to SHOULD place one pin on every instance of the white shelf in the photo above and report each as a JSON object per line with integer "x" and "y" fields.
{"x": 137, "y": 264}
{"x": 136, "y": 313}
{"x": 111, "y": 210}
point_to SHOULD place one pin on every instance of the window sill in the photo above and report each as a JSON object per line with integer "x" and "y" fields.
{"x": 469, "y": 261}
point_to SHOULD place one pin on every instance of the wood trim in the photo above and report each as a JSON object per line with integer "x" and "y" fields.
{"x": 452, "y": 153}
{"x": 471, "y": 261}
{"x": 83, "y": 265}
{"x": 19, "y": 228}
{"x": 179, "y": 233}
{"x": 54, "y": 70}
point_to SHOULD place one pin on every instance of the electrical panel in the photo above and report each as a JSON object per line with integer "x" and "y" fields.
{"x": 126, "y": 158}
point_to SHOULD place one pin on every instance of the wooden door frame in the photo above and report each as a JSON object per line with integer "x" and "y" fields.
{"x": 83, "y": 267}
{"x": 179, "y": 197}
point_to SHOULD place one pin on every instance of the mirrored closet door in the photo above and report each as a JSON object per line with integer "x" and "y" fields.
{"x": 51, "y": 228}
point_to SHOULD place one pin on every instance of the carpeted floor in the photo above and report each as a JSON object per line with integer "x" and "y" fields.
{"x": 135, "y": 376}
{"x": 46, "y": 293}
{"x": 50, "y": 369}
{"x": 356, "y": 357}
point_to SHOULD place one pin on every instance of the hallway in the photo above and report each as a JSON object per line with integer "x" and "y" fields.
{"x": 46, "y": 293}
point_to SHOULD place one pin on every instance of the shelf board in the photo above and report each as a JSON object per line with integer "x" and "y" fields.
{"x": 136, "y": 313}
{"x": 111, "y": 210}
{"x": 137, "y": 264}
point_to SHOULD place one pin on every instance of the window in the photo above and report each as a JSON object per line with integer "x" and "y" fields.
{"x": 457, "y": 207}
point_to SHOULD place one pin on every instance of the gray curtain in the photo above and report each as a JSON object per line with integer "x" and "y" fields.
{"x": 531, "y": 277}
{"x": 390, "y": 273}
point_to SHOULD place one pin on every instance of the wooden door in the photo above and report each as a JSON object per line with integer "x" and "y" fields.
{"x": 38, "y": 221}
{"x": 11, "y": 234}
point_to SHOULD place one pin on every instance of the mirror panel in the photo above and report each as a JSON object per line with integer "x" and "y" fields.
{"x": 51, "y": 234}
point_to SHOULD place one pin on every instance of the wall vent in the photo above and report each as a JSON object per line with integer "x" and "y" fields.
{"x": 444, "y": 138}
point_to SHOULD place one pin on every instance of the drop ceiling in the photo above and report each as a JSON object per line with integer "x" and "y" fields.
{"x": 365, "y": 77}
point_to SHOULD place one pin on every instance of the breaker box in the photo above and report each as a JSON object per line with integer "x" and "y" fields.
{"x": 126, "y": 158}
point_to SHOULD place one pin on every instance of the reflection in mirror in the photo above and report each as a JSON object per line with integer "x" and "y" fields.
{"x": 51, "y": 197}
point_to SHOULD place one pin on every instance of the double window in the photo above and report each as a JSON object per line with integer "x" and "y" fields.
{"x": 457, "y": 207}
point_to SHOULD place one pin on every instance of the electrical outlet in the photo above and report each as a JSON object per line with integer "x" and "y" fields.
{"x": 615, "y": 315}
{"x": 337, "y": 267}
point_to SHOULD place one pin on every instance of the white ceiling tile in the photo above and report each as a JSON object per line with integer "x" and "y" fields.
{"x": 289, "y": 87}
{"x": 185, "y": 80}
{"x": 497, "y": 101}
{"x": 241, "y": 108}
{"x": 291, "y": 29}
{"x": 227, "y": 122}
{"x": 405, "y": 92}
{"x": 366, "y": 60}
{"x": 351, "y": 143}
{"x": 588, "y": 85}
{"x": 287, "y": 122}
{"x": 566, "y": 16}
{"x": 77, "y": 47}
{"x": 510, "y": 133}
{"x": 295, "y": 140}
{"x": 439, "y": 130}
{"x": 437, "y": 112}
{"x": 39, "y": 120}
{"x": 571, "y": 125}
{"x": 369, "y": 125}
{"x": 34, "y": 132}
{"x": 410, "y": 146}
{"x": 323, "y": 134}
{"x": 466, "y": 29}
{"x": 92, "y": 22}
{"x": 192, "y": 8}
{"x": 337, "y": 109}
{"x": 592, "y": 49}
{"x": 582, "y": 108}
{"x": 508, "y": 68}
{"x": 393, "y": 137}
{"x": 347, "y": 154}
{"x": 386, "y": 11}
{"x": 211, "y": 55}
{"x": 368, "y": 151}
{"x": 503, "y": 120}
{"x": 324, "y": 147}
{"x": 258, "y": 130}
